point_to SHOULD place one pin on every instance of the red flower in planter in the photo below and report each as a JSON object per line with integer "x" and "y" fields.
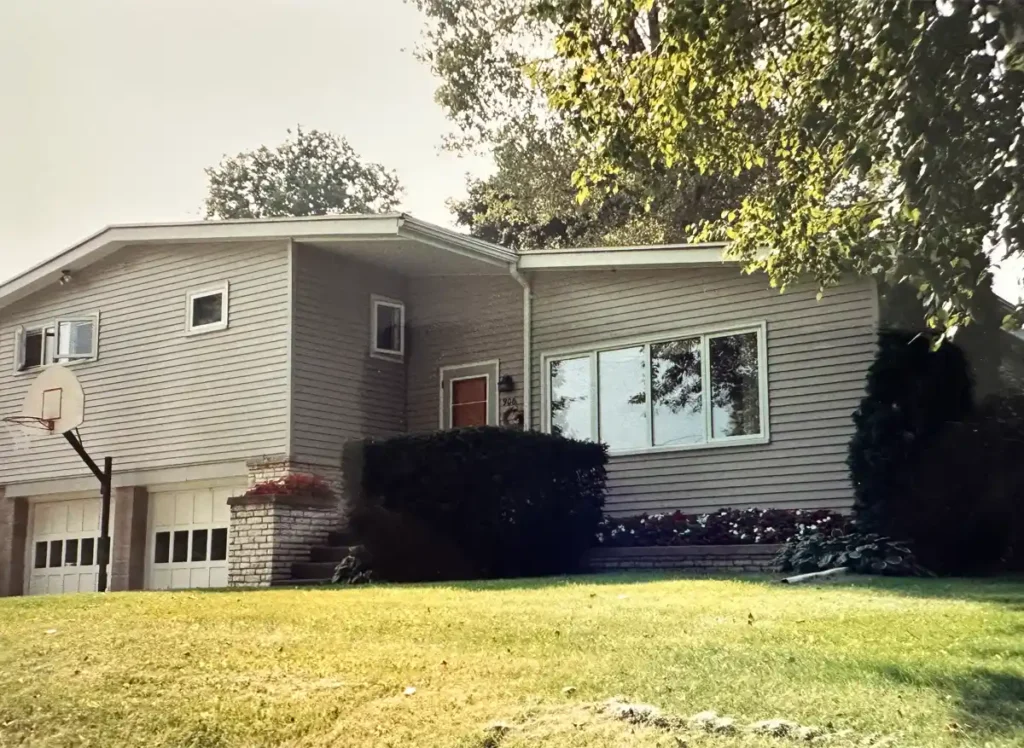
{"x": 296, "y": 484}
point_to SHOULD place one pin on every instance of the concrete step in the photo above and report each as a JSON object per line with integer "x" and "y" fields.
{"x": 334, "y": 553}
{"x": 300, "y": 582}
{"x": 313, "y": 569}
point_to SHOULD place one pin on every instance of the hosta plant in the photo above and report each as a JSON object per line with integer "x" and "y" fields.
{"x": 860, "y": 553}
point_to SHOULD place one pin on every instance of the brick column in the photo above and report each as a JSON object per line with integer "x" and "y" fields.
{"x": 13, "y": 531}
{"x": 128, "y": 565}
{"x": 269, "y": 533}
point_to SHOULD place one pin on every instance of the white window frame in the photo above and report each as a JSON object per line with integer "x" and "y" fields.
{"x": 53, "y": 326}
{"x": 705, "y": 335}
{"x": 378, "y": 301}
{"x": 224, "y": 290}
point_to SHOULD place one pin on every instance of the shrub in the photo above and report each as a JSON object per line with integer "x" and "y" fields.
{"x": 912, "y": 392}
{"x": 724, "y": 527}
{"x": 861, "y": 554}
{"x": 930, "y": 466}
{"x": 480, "y": 502}
{"x": 964, "y": 510}
{"x": 294, "y": 485}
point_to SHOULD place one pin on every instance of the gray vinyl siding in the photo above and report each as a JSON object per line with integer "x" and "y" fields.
{"x": 157, "y": 397}
{"x": 339, "y": 391}
{"x": 460, "y": 320}
{"x": 818, "y": 354}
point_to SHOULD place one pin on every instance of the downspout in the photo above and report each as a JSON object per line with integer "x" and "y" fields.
{"x": 527, "y": 345}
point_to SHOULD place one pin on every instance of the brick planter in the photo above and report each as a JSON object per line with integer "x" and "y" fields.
{"x": 707, "y": 558}
{"x": 269, "y": 533}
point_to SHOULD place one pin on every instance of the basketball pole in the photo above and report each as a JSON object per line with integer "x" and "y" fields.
{"x": 104, "y": 477}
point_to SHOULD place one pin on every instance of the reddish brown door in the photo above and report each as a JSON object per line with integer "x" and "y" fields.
{"x": 469, "y": 402}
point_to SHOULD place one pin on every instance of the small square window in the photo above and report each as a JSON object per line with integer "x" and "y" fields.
{"x": 35, "y": 347}
{"x": 68, "y": 340}
{"x": 76, "y": 340}
{"x": 387, "y": 334}
{"x": 32, "y": 349}
{"x": 207, "y": 310}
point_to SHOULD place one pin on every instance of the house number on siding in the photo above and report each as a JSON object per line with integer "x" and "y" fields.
{"x": 510, "y": 402}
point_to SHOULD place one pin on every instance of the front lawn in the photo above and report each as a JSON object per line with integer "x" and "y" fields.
{"x": 914, "y": 663}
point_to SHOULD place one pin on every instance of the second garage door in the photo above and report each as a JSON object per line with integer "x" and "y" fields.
{"x": 187, "y": 542}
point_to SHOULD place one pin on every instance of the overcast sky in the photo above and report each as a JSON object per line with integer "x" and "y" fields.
{"x": 111, "y": 110}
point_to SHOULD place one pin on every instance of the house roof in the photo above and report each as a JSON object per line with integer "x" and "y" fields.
{"x": 341, "y": 228}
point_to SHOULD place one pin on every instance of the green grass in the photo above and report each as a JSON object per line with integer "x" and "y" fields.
{"x": 923, "y": 663}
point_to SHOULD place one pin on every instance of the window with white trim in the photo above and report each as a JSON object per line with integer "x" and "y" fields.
{"x": 387, "y": 326}
{"x": 207, "y": 309}
{"x": 67, "y": 340}
{"x": 683, "y": 392}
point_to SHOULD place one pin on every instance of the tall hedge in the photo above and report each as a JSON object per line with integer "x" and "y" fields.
{"x": 931, "y": 467}
{"x": 480, "y": 502}
{"x": 911, "y": 393}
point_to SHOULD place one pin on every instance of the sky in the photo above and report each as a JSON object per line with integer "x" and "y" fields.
{"x": 110, "y": 110}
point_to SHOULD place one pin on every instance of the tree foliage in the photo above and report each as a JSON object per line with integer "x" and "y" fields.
{"x": 883, "y": 137}
{"x": 481, "y": 50}
{"x": 313, "y": 173}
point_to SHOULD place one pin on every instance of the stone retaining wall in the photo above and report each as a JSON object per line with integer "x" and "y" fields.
{"x": 270, "y": 533}
{"x": 707, "y": 558}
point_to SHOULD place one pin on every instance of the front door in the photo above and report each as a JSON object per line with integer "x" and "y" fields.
{"x": 469, "y": 395}
{"x": 469, "y": 402}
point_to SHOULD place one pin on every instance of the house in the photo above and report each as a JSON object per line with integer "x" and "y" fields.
{"x": 217, "y": 354}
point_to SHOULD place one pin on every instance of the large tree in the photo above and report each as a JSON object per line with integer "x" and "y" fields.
{"x": 312, "y": 173}
{"x": 891, "y": 132}
{"x": 481, "y": 50}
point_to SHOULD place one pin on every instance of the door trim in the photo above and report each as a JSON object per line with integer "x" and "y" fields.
{"x": 447, "y": 375}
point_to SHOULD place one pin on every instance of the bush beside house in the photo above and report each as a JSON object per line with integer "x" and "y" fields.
{"x": 931, "y": 467}
{"x": 474, "y": 503}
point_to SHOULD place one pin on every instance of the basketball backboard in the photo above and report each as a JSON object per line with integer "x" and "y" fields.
{"x": 55, "y": 402}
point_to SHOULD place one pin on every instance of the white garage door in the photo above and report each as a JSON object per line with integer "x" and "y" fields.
{"x": 187, "y": 543}
{"x": 64, "y": 551}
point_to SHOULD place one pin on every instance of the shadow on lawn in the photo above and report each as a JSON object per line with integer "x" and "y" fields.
{"x": 1004, "y": 591}
{"x": 987, "y": 702}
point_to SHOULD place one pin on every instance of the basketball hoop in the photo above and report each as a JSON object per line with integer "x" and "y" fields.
{"x": 30, "y": 422}
{"x": 55, "y": 404}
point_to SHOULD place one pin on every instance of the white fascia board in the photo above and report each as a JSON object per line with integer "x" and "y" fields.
{"x": 454, "y": 241}
{"x": 113, "y": 238}
{"x": 697, "y": 254}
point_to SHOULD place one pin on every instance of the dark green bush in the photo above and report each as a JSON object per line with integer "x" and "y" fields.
{"x": 861, "y": 554}
{"x": 474, "y": 503}
{"x": 930, "y": 466}
{"x": 912, "y": 392}
{"x": 965, "y": 509}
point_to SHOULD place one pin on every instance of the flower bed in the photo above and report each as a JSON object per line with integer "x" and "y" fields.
{"x": 296, "y": 484}
{"x": 724, "y": 527}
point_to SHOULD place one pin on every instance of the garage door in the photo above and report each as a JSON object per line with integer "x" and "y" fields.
{"x": 187, "y": 543}
{"x": 64, "y": 547}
